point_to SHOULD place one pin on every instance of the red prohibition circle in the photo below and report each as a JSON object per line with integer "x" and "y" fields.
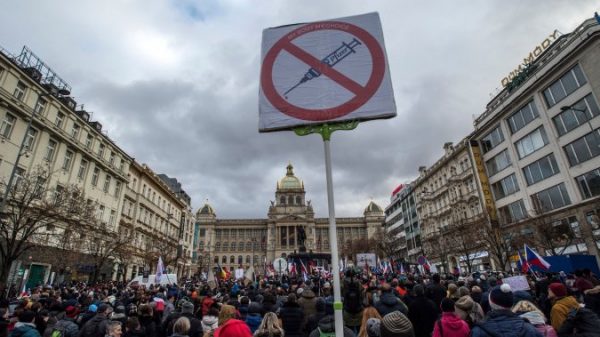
{"x": 361, "y": 94}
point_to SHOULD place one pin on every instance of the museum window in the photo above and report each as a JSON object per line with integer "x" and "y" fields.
{"x": 218, "y": 246}
{"x": 247, "y": 259}
{"x": 584, "y": 148}
{"x": 240, "y": 259}
{"x": 580, "y": 113}
{"x": 89, "y": 141}
{"x": 513, "y": 212}
{"x": 505, "y": 187}
{"x": 232, "y": 259}
{"x": 224, "y": 259}
{"x": 521, "y": 118}
{"x": 282, "y": 200}
{"x": 298, "y": 200}
{"x": 225, "y": 246}
{"x": 551, "y": 198}
{"x": 283, "y": 236}
{"x": 7, "y": 125}
{"x": 492, "y": 139}
{"x": 216, "y": 259}
{"x": 233, "y": 246}
{"x": 290, "y": 200}
{"x": 118, "y": 189}
{"x": 540, "y": 169}
{"x": 589, "y": 183}
{"x": 531, "y": 142}
{"x": 564, "y": 86}
{"x": 498, "y": 163}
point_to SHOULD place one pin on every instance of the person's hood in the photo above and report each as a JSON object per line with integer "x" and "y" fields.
{"x": 327, "y": 324}
{"x": 210, "y": 320}
{"x": 452, "y": 321}
{"x": 389, "y": 299}
{"x": 233, "y": 327}
{"x": 21, "y": 329}
{"x": 308, "y": 294}
{"x": 533, "y": 317}
{"x": 569, "y": 301}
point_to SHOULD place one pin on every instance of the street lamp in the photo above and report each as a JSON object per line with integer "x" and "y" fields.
{"x": 55, "y": 92}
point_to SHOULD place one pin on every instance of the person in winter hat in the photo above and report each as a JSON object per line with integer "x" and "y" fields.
{"x": 469, "y": 311}
{"x": 388, "y": 302}
{"x": 210, "y": 321}
{"x": 368, "y": 313}
{"x": 25, "y": 326}
{"x": 253, "y": 317}
{"x": 450, "y": 325}
{"x": 96, "y": 326}
{"x": 373, "y": 327}
{"x": 292, "y": 317}
{"x": 187, "y": 310}
{"x": 562, "y": 304}
{"x": 313, "y": 320}
{"x": 66, "y": 322}
{"x": 327, "y": 324}
{"x": 533, "y": 315}
{"x": 233, "y": 328}
{"x": 500, "y": 320}
{"x": 308, "y": 303}
{"x": 396, "y": 324}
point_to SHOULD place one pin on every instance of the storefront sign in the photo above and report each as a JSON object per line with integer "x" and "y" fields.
{"x": 533, "y": 55}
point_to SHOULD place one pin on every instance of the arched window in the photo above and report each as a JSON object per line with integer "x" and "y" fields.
{"x": 224, "y": 259}
{"x": 282, "y": 200}
{"x": 240, "y": 259}
{"x": 298, "y": 200}
{"x": 232, "y": 259}
{"x": 290, "y": 200}
{"x": 255, "y": 261}
{"x": 216, "y": 259}
{"x": 247, "y": 259}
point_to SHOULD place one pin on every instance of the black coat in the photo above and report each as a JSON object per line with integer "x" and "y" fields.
{"x": 583, "y": 321}
{"x": 422, "y": 313}
{"x": 312, "y": 322}
{"x": 592, "y": 300}
{"x": 388, "y": 303}
{"x": 95, "y": 327}
{"x": 195, "y": 325}
{"x": 436, "y": 293}
{"x": 292, "y": 318}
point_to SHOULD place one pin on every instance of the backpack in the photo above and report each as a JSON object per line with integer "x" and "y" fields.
{"x": 352, "y": 300}
{"x": 58, "y": 330}
{"x": 326, "y": 334}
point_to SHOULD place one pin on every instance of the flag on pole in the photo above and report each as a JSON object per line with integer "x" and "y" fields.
{"x": 250, "y": 274}
{"x": 159, "y": 270}
{"x": 211, "y": 280}
{"x": 434, "y": 269}
{"x": 523, "y": 265}
{"x": 401, "y": 268}
{"x": 342, "y": 265}
{"x": 533, "y": 258}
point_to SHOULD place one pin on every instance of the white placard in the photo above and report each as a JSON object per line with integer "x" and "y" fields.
{"x": 239, "y": 273}
{"x": 334, "y": 70}
{"x": 517, "y": 282}
{"x": 368, "y": 258}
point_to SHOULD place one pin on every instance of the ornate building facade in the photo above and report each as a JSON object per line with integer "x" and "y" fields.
{"x": 290, "y": 218}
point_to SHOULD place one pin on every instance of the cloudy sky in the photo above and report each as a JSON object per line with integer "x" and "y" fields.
{"x": 175, "y": 84}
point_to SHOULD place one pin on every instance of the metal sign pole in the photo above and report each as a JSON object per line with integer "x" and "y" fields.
{"x": 325, "y": 131}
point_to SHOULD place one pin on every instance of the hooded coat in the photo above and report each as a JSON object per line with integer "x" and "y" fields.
{"x": 422, "y": 314}
{"x": 308, "y": 303}
{"x": 292, "y": 319}
{"x": 451, "y": 326}
{"x": 95, "y": 327}
{"x": 389, "y": 303}
{"x": 506, "y": 324}
{"x": 560, "y": 310}
{"x": 209, "y": 323}
{"x": 582, "y": 321}
{"x": 327, "y": 324}
{"x": 539, "y": 323}
{"x": 24, "y": 330}
{"x": 233, "y": 328}
{"x": 591, "y": 298}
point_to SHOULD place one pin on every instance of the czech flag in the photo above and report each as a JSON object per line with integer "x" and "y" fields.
{"x": 534, "y": 259}
{"x": 523, "y": 264}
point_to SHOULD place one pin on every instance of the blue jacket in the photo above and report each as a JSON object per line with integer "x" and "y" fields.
{"x": 253, "y": 321}
{"x": 24, "y": 330}
{"x": 506, "y": 324}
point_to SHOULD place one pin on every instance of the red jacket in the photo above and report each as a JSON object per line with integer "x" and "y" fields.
{"x": 207, "y": 301}
{"x": 451, "y": 325}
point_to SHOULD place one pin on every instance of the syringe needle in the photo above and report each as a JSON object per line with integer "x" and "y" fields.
{"x": 292, "y": 88}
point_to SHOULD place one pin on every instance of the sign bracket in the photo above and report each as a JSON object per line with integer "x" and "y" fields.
{"x": 326, "y": 129}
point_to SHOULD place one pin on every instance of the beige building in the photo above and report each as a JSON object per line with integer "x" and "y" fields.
{"x": 62, "y": 139}
{"x": 540, "y": 144}
{"x": 161, "y": 223}
{"x": 234, "y": 242}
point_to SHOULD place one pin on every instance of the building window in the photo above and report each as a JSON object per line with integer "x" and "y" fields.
{"x": 283, "y": 236}
{"x": 82, "y": 169}
{"x": 218, "y": 246}
{"x": 225, "y": 246}
{"x": 101, "y": 151}
{"x": 113, "y": 218}
{"x": 50, "y": 150}
{"x": 111, "y": 158}
{"x": 117, "y": 189}
{"x": 75, "y": 131}
{"x": 20, "y": 90}
{"x": 551, "y": 198}
{"x": 107, "y": 183}
{"x": 40, "y": 106}
{"x": 30, "y": 139}
{"x": 234, "y": 247}
{"x": 298, "y": 200}
{"x": 224, "y": 259}
{"x": 240, "y": 259}
{"x": 60, "y": 117}
{"x": 582, "y": 112}
{"x": 531, "y": 142}
{"x": 540, "y": 169}
{"x": 492, "y": 139}
{"x": 584, "y": 148}
{"x": 232, "y": 259}
{"x": 95, "y": 176}
{"x": 498, "y": 163}
{"x": 589, "y": 184}
{"x": 67, "y": 161}
{"x": 282, "y": 200}
{"x": 506, "y": 186}
{"x": 564, "y": 86}
{"x": 101, "y": 212}
{"x": 524, "y": 116}
{"x": 513, "y": 212}
{"x": 7, "y": 125}
{"x": 89, "y": 141}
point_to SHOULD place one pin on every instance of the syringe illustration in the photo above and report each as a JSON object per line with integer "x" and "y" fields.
{"x": 332, "y": 59}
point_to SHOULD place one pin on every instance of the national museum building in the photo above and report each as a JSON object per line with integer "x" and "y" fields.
{"x": 290, "y": 219}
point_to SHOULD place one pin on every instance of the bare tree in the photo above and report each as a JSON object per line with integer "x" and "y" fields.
{"x": 552, "y": 233}
{"x": 438, "y": 246}
{"x": 385, "y": 244}
{"x": 464, "y": 238}
{"x": 500, "y": 243}
{"x": 32, "y": 210}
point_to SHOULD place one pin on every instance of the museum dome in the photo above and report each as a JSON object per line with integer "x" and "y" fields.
{"x": 206, "y": 210}
{"x": 290, "y": 181}
{"x": 373, "y": 208}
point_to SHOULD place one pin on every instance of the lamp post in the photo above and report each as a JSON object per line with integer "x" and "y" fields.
{"x": 56, "y": 92}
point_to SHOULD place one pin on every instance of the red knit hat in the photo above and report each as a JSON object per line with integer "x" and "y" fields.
{"x": 558, "y": 289}
{"x": 233, "y": 328}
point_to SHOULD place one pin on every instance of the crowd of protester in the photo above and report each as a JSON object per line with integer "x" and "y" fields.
{"x": 373, "y": 306}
